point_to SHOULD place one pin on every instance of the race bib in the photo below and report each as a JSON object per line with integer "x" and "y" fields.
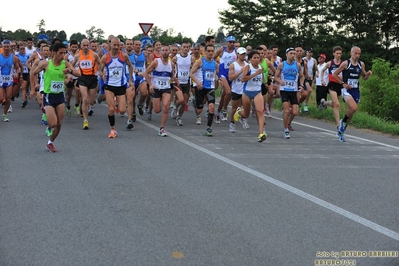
{"x": 354, "y": 83}
{"x": 290, "y": 85}
{"x": 115, "y": 72}
{"x": 86, "y": 64}
{"x": 25, "y": 70}
{"x": 183, "y": 76}
{"x": 162, "y": 84}
{"x": 5, "y": 78}
{"x": 57, "y": 86}
{"x": 210, "y": 75}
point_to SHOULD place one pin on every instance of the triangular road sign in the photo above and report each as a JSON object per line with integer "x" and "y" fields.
{"x": 146, "y": 27}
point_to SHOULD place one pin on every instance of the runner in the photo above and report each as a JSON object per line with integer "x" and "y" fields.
{"x": 9, "y": 67}
{"x": 162, "y": 71}
{"x": 55, "y": 71}
{"x": 113, "y": 70}
{"x": 253, "y": 78}
{"x": 88, "y": 62}
{"x": 352, "y": 69}
{"x": 205, "y": 85}
{"x": 236, "y": 70}
{"x": 290, "y": 77}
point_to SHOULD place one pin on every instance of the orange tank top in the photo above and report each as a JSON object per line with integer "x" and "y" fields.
{"x": 87, "y": 63}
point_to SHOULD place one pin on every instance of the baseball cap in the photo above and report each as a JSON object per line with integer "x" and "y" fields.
{"x": 241, "y": 50}
{"x": 309, "y": 50}
{"x": 323, "y": 55}
{"x": 230, "y": 38}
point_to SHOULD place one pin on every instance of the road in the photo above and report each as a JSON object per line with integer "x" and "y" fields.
{"x": 187, "y": 199}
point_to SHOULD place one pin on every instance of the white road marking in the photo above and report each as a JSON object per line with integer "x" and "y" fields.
{"x": 356, "y": 218}
{"x": 346, "y": 135}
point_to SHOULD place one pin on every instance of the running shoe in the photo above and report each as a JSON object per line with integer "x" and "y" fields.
{"x": 208, "y": 132}
{"x": 68, "y": 111}
{"x": 162, "y": 133}
{"x": 85, "y": 125}
{"x": 340, "y": 136}
{"x": 262, "y": 137}
{"x": 173, "y": 113}
{"x": 112, "y": 134}
{"x": 5, "y": 118}
{"x": 216, "y": 118}
{"x": 90, "y": 112}
{"x": 49, "y": 131}
{"x": 342, "y": 126}
{"x": 9, "y": 109}
{"x": 286, "y": 135}
{"x": 224, "y": 115}
{"x": 198, "y": 122}
{"x": 50, "y": 147}
{"x": 140, "y": 108}
{"x": 149, "y": 116}
{"x": 134, "y": 117}
{"x": 77, "y": 110}
{"x": 321, "y": 105}
{"x": 179, "y": 122}
{"x": 236, "y": 115}
{"x": 305, "y": 108}
{"x": 129, "y": 124}
{"x": 24, "y": 103}
{"x": 244, "y": 122}
{"x": 290, "y": 128}
{"x": 232, "y": 127}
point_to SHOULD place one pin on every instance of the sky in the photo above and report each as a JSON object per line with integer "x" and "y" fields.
{"x": 191, "y": 18}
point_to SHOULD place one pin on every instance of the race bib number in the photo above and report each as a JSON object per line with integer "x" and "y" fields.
{"x": 139, "y": 69}
{"x": 115, "y": 72}
{"x": 5, "y": 79}
{"x": 162, "y": 84}
{"x": 183, "y": 76}
{"x": 25, "y": 70}
{"x": 86, "y": 64}
{"x": 354, "y": 83}
{"x": 290, "y": 85}
{"x": 57, "y": 86}
{"x": 209, "y": 75}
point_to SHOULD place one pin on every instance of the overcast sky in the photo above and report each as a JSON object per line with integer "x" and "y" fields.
{"x": 191, "y": 18}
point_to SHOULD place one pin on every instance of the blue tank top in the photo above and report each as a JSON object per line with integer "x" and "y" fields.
{"x": 208, "y": 73}
{"x": 351, "y": 74}
{"x": 6, "y": 65}
{"x": 289, "y": 74}
{"x": 139, "y": 62}
{"x": 23, "y": 59}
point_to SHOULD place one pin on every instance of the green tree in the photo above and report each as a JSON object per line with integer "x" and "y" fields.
{"x": 41, "y": 25}
{"x": 77, "y": 36}
{"x": 99, "y": 34}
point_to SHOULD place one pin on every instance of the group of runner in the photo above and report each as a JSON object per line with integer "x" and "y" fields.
{"x": 164, "y": 76}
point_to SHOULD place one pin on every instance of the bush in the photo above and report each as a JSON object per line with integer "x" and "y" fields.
{"x": 380, "y": 93}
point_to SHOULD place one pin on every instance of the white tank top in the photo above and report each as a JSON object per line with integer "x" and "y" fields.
{"x": 255, "y": 83}
{"x": 161, "y": 75}
{"x": 183, "y": 68}
{"x": 236, "y": 85}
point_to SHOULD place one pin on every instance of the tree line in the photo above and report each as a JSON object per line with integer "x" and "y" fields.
{"x": 373, "y": 25}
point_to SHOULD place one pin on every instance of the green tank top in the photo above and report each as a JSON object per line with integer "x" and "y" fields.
{"x": 265, "y": 69}
{"x": 54, "y": 78}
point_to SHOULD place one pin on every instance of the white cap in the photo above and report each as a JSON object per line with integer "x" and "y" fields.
{"x": 241, "y": 50}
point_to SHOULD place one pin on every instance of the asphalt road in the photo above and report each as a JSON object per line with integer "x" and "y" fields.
{"x": 187, "y": 199}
